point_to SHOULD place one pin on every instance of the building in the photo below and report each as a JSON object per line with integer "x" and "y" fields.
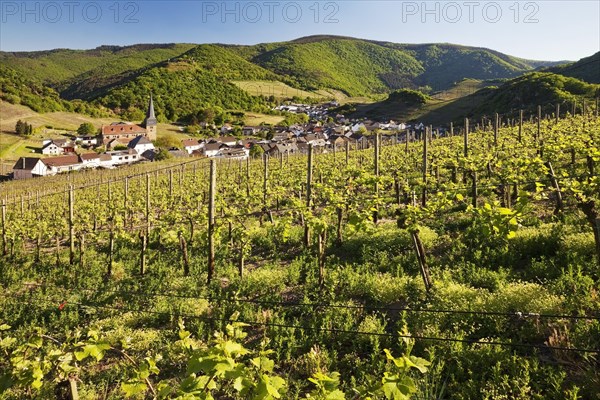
{"x": 52, "y": 148}
{"x": 127, "y": 131}
{"x": 122, "y": 157}
{"x": 121, "y": 131}
{"x": 29, "y": 167}
{"x": 141, "y": 144}
{"x": 192, "y": 144}
{"x": 57, "y": 165}
{"x": 150, "y": 123}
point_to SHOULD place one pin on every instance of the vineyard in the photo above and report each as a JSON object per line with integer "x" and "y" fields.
{"x": 455, "y": 266}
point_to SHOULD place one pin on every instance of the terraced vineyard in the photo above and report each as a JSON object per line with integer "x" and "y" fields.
{"x": 453, "y": 267}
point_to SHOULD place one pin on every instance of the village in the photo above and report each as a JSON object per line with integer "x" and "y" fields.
{"x": 124, "y": 143}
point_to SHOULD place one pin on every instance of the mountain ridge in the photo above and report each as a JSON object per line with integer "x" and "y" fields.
{"x": 188, "y": 78}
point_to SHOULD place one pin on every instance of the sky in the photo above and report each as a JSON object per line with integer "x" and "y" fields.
{"x": 549, "y": 30}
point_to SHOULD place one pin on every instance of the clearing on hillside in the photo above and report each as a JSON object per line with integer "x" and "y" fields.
{"x": 273, "y": 88}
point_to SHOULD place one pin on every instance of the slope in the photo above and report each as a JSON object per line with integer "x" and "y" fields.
{"x": 200, "y": 78}
{"x": 525, "y": 92}
{"x": 587, "y": 69}
{"x": 353, "y": 66}
{"x": 57, "y": 66}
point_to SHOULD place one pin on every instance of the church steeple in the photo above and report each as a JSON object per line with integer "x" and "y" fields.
{"x": 150, "y": 117}
{"x": 150, "y": 122}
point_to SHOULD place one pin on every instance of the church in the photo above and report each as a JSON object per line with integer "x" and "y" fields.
{"x": 121, "y": 133}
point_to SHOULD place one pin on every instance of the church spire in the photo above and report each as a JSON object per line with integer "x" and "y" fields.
{"x": 150, "y": 123}
{"x": 150, "y": 117}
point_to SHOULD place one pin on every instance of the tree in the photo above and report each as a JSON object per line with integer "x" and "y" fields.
{"x": 19, "y": 127}
{"x": 192, "y": 129}
{"x": 208, "y": 115}
{"x": 168, "y": 141}
{"x": 86, "y": 129}
{"x": 23, "y": 128}
{"x": 256, "y": 151}
{"x": 163, "y": 154}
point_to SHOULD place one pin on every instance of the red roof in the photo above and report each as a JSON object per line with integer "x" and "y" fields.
{"x": 122, "y": 128}
{"x": 89, "y": 156}
{"x": 61, "y": 161}
{"x": 190, "y": 142}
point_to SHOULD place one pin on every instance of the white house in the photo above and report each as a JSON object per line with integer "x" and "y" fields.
{"x": 141, "y": 144}
{"x": 212, "y": 149}
{"x": 29, "y": 167}
{"x": 238, "y": 153}
{"x": 57, "y": 165}
{"x": 51, "y": 148}
{"x": 90, "y": 160}
{"x": 227, "y": 140}
{"x": 122, "y": 157}
{"x": 87, "y": 141}
{"x": 357, "y": 127}
{"x": 190, "y": 145}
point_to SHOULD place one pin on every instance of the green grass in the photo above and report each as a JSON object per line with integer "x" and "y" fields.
{"x": 587, "y": 69}
{"x": 55, "y": 66}
{"x": 276, "y": 89}
{"x": 253, "y": 119}
{"x": 12, "y": 146}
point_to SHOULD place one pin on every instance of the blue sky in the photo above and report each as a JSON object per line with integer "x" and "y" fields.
{"x": 544, "y": 30}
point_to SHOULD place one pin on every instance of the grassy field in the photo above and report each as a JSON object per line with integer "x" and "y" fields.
{"x": 273, "y": 88}
{"x": 253, "y": 119}
{"x": 461, "y": 89}
{"x": 442, "y": 108}
{"x": 12, "y": 146}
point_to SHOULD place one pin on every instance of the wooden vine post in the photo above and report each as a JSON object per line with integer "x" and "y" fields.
{"x": 424, "y": 171}
{"x": 4, "y": 247}
{"x": 347, "y": 153}
{"x": 421, "y": 258}
{"x": 146, "y": 231}
{"x": 265, "y": 178}
{"x": 308, "y": 193}
{"x": 474, "y": 189}
{"x": 147, "y": 216}
{"x": 125, "y": 200}
{"x": 322, "y": 238}
{"x": 211, "y": 220}
{"x": 520, "y": 125}
{"x": 539, "y": 121}
{"x": 496, "y": 123}
{"x": 184, "y": 254}
{"x": 71, "y": 227}
{"x": 144, "y": 246}
{"x": 557, "y": 113}
{"x": 111, "y": 248}
{"x": 559, "y": 202}
{"x": 81, "y": 250}
{"x": 466, "y": 138}
{"x": 376, "y": 172}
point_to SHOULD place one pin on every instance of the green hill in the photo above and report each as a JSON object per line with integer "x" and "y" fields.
{"x": 525, "y": 92}
{"x": 587, "y": 69}
{"x": 212, "y": 59}
{"x": 445, "y": 64}
{"x": 187, "y": 78}
{"x": 364, "y": 67}
{"x": 60, "y": 66}
{"x": 16, "y": 88}
{"x": 178, "y": 93}
{"x": 355, "y": 67}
